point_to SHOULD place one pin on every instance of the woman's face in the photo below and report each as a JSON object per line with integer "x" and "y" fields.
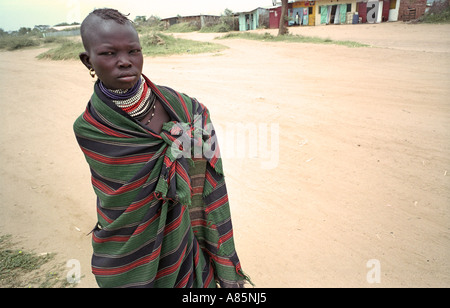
{"x": 115, "y": 54}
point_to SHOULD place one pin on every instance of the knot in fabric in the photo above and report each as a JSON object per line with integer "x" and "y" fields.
{"x": 185, "y": 142}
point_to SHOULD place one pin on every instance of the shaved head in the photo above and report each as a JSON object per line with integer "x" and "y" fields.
{"x": 99, "y": 18}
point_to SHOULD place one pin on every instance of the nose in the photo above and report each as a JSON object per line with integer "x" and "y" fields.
{"x": 123, "y": 61}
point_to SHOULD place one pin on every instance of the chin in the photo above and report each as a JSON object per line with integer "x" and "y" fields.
{"x": 127, "y": 82}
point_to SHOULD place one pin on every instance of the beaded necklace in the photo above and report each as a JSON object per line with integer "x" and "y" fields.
{"x": 138, "y": 101}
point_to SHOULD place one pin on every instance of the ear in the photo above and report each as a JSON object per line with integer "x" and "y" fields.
{"x": 84, "y": 57}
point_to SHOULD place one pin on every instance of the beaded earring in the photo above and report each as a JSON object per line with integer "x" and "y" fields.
{"x": 92, "y": 72}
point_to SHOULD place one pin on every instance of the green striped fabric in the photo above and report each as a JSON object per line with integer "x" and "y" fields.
{"x": 163, "y": 211}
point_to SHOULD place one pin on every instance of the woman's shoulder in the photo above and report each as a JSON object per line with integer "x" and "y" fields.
{"x": 181, "y": 101}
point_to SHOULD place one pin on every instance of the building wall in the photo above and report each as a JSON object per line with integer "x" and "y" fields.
{"x": 274, "y": 16}
{"x": 247, "y": 21}
{"x": 419, "y": 5}
{"x": 299, "y": 8}
{"x": 363, "y": 9}
{"x": 394, "y": 9}
{"x": 251, "y": 20}
{"x": 388, "y": 9}
{"x": 352, "y": 4}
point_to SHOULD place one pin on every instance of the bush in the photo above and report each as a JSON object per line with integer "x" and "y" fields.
{"x": 152, "y": 40}
{"x": 54, "y": 39}
{"x": 17, "y": 42}
{"x": 219, "y": 28}
{"x": 68, "y": 50}
{"x": 183, "y": 27}
{"x": 159, "y": 44}
{"x": 439, "y": 12}
{"x": 153, "y": 23}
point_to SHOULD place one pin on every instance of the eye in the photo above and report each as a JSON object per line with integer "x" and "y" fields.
{"x": 137, "y": 50}
{"x": 107, "y": 53}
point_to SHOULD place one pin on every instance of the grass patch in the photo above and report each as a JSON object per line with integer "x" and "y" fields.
{"x": 11, "y": 43}
{"x": 22, "y": 269}
{"x": 183, "y": 27}
{"x": 153, "y": 44}
{"x": 267, "y": 37}
{"x": 219, "y": 28}
{"x": 159, "y": 44}
{"x": 65, "y": 50}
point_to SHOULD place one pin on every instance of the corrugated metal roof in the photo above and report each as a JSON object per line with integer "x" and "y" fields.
{"x": 187, "y": 16}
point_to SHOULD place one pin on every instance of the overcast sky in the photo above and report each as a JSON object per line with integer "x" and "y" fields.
{"x": 28, "y": 13}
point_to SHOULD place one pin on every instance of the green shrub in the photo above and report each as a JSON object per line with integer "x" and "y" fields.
{"x": 68, "y": 50}
{"x": 439, "y": 12}
{"x": 152, "y": 39}
{"x": 17, "y": 42}
{"x": 183, "y": 27}
{"x": 219, "y": 28}
{"x": 159, "y": 44}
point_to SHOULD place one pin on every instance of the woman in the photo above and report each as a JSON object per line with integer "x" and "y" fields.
{"x": 163, "y": 212}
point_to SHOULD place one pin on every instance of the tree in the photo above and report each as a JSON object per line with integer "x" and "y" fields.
{"x": 140, "y": 19}
{"x": 282, "y": 30}
{"x": 227, "y": 18}
{"x": 24, "y": 31}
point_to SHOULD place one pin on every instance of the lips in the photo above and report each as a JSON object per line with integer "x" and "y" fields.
{"x": 127, "y": 78}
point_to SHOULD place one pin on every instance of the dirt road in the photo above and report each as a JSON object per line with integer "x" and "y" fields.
{"x": 347, "y": 185}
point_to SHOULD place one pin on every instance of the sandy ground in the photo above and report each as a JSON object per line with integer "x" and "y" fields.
{"x": 354, "y": 185}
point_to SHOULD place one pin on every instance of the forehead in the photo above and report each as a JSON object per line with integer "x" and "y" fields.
{"x": 100, "y": 32}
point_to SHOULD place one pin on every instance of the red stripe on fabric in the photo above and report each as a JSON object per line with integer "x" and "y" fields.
{"x": 141, "y": 228}
{"x": 210, "y": 179}
{"x": 176, "y": 223}
{"x": 169, "y": 270}
{"x": 197, "y": 254}
{"x": 183, "y": 103}
{"x": 202, "y": 222}
{"x": 125, "y": 188}
{"x": 183, "y": 174}
{"x": 215, "y": 158}
{"x": 102, "y": 186}
{"x": 110, "y": 239}
{"x": 210, "y": 277}
{"x": 156, "y": 90}
{"x": 182, "y": 283}
{"x": 225, "y": 238}
{"x": 137, "y": 205}
{"x": 167, "y": 161}
{"x": 205, "y": 114}
{"x": 104, "y": 216}
{"x": 143, "y": 158}
{"x": 223, "y": 261}
{"x": 126, "y": 268}
{"x": 170, "y": 137}
{"x": 87, "y": 116}
{"x": 197, "y": 190}
{"x": 216, "y": 204}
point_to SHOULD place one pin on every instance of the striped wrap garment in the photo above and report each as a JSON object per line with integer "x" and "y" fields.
{"x": 162, "y": 204}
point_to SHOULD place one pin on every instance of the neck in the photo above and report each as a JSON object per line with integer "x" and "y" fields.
{"x": 136, "y": 101}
